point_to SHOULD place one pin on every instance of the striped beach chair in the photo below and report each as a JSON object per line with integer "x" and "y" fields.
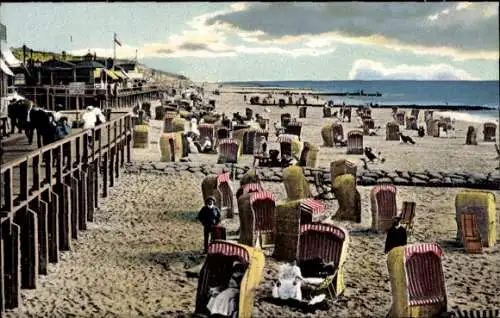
{"x": 294, "y": 128}
{"x": 383, "y": 206}
{"x": 392, "y": 131}
{"x": 217, "y": 270}
{"x": 226, "y": 194}
{"x": 355, "y": 142}
{"x": 340, "y": 167}
{"x": 285, "y": 142}
{"x": 263, "y": 205}
{"x": 228, "y": 151}
{"x": 311, "y": 211}
{"x": 207, "y": 130}
{"x": 328, "y": 243}
{"x": 417, "y": 280}
{"x": 337, "y": 132}
{"x": 252, "y": 187}
{"x": 400, "y": 117}
{"x": 489, "y": 131}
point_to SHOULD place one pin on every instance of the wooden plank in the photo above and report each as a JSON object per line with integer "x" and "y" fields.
{"x": 43, "y": 239}
{"x": 12, "y": 264}
{"x": 105, "y": 172}
{"x": 28, "y": 225}
{"x": 64, "y": 192}
{"x": 83, "y": 202}
{"x": 53, "y": 227}
{"x": 74, "y": 211}
{"x": 90, "y": 194}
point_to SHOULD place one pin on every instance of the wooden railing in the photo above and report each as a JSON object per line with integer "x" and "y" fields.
{"x": 44, "y": 208}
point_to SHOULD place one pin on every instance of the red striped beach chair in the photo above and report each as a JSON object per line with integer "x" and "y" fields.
{"x": 329, "y": 244}
{"x": 263, "y": 205}
{"x": 407, "y": 216}
{"x": 489, "y": 131}
{"x": 400, "y": 117}
{"x": 311, "y": 211}
{"x": 338, "y": 132}
{"x": 228, "y": 151}
{"x": 294, "y": 128}
{"x": 355, "y": 142}
{"x": 470, "y": 234}
{"x": 226, "y": 194}
{"x": 417, "y": 280}
{"x": 207, "y": 130}
{"x": 217, "y": 271}
{"x": 252, "y": 187}
{"x": 383, "y": 206}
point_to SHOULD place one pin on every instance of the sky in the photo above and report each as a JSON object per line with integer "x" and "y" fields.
{"x": 257, "y": 41}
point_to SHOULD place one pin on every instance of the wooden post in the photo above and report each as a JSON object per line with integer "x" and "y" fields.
{"x": 64, "y": 192}
{"x": 43, "y": 239}
{"x": 83, "y": 196}
{"x": 90, "y": 192}
{"x": 12, "y": 264}
{"x": 28, "y": 225}
{"x": 74, "y": 186}
{"x": 53, "y": 227}
{"x": 105, "y": 175}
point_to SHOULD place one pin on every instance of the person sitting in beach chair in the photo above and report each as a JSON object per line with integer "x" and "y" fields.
{"x": 274, "y": 158}
{"x": 209, "y": 216}
{"x": 396, "y": 235}
{"x": 225, "y": 302}
{"x": 289, "y": 282}
{"x": 205, "y": 146}
{"x": 339, "y": 142}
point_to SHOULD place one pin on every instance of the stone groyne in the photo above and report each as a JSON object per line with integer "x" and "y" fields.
{"x": 486, "y": 181}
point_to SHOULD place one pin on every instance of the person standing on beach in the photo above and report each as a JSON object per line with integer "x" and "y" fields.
{"x": 396, "y": 235}
{"x": 209, "y": 216}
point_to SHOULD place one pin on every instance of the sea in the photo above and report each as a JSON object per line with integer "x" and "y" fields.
{"x": 404, "y": 92}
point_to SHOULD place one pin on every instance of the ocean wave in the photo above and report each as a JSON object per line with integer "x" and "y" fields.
{"x": 468, "y": 117}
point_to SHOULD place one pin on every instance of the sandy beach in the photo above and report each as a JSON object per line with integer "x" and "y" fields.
{"x": 132, "y": 260}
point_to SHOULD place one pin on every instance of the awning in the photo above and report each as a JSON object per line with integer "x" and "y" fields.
{"x": 312, "y": 206}
{"x": 119, "y": 74}
{"x": 5, "y": 68}
{"x": 97, "y": 73}
{"x": 10, "y": 59}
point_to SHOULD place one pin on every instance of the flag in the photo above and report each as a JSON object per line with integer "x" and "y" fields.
{"x": 117, "y": 42}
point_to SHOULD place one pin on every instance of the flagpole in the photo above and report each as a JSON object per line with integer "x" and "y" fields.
{"x": 114, "y": 51}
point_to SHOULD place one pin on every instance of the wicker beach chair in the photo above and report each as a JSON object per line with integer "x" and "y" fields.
{"x": 223, "y": 133}
{"x": 303, "y": 112}
{"x": 367, "y": 125}
{"x": 294, "y": 128}
{"x": 311, "y": 211}
{"x": 355, "y": 142}
{"x": 229, "y": 151}
{"x": 226, "y": 194}
{"x": 170, "y": 147}
{"x": 411, "y": 123}
{"x": 207, "y": 130}
{"x": 248, "y": 113}
{"x": 216, "y": 271}
{"x": 327, "y": 243}
{"x": 285, "y": 142}
{"x": 263, "y": 206}
{"x": 489, "y": 131}
{"x": 337, "y": 132}
{"x": 340, "y": 167}
{"x": 168, "y": 119}
{"x": 383, "y": 206}
{"x": 392, "y": 131}
{"x": 400, "y": 117}
{"x": 417, "y": 281}
{"x": 483, "y": 205}
{"x": 470, "y": 234}
{"x": 285, "y": 119}
{"x": 407, "y": 216}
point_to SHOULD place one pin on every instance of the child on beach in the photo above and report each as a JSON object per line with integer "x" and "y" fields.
{"x": 209, "y": 216}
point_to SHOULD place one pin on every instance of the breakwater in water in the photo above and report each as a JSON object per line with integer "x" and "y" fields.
{"x": 487, "y": 181}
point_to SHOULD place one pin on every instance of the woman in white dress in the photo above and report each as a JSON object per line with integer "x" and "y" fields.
{"x": 224, "y": 303}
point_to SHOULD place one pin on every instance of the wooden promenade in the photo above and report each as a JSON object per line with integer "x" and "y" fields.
{"x": 49, "y": 194}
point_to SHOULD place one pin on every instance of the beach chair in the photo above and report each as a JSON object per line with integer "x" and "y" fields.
{"x": 392, "y": 131}
{"x": 417, "y": 281}
{"x": 296, "y": 184}
{"x": 223, "y": 133}
{"x": 383, "y": 206}
{"x": 337, "y": 132}
{"x": 369, "y": 123}
{"x": 327, "y": 112}
{"x": 159, "y": 112}
{"x": 470, "y": 234}
{"x": 489, "y": 131}
{"x": 285, "y": 142}
{"x": 226, "y": 194}
{"x": 294, "y": 128}
{"x": 285, "y": 119}
{"x": 168, "y": 120}
{"x": 400, "y": 117}
{"x": 252, "y": 187}
{"x": 355, "y": 142}
{"x": 207, "y": 130}
{"x": 216, "y": 271}
{"x": 407, "y": 216}
{"x": 302, "y": 112}
{"x": 340, "y": 167}
{"x": 248, "y": 113}
{"x": 263, "y": 206}
{"x": 327, "y": 243}
{"x": 411, "y": 123}
{"x": 497, "y": 148}
{"x": 483, "y": 205}
{"x": 311, "y": 211}
{"x": 415, "y": 113}
{"x": 170, "y": 147}
{"x": 229, "y": 151}
{"x": 249, "y": 142}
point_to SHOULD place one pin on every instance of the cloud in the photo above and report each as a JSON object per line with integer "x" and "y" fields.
{"x": 372, "y": 70}
{"x": 463, "y": 31}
